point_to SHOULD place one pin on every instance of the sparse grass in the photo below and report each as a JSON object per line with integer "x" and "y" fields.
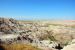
{"x": 66, "y": 43}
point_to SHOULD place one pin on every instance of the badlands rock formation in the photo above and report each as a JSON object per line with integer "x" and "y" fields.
{"x": 42, "y": 34}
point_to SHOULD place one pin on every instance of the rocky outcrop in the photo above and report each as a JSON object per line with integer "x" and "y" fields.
{"x": 8, "y": 26}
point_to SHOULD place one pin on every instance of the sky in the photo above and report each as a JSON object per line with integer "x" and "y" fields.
{"x": 38, "y": 9}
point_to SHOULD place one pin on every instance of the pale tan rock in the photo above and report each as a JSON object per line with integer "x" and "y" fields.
{"x": 69, "y": 47}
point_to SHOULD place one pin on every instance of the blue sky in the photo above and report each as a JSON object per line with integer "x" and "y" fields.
{"x": 38, "y": 9}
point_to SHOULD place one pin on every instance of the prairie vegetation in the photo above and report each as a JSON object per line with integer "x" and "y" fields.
{"x": 18, "y": 47}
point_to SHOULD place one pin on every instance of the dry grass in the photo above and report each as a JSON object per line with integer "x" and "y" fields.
{"x": 19, "y": 47}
